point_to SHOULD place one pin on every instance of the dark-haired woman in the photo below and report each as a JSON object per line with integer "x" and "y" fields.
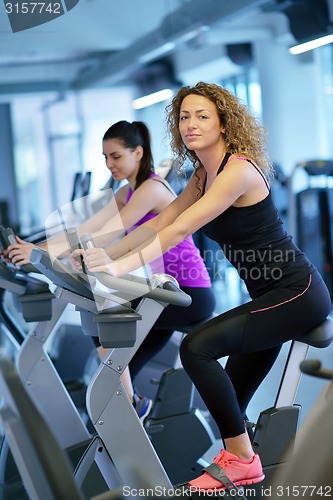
{"x": 128, "y": 156}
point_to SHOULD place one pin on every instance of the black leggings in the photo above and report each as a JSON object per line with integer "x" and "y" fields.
{"x": 173, "y": 317}
{"x": 252, "y": 336}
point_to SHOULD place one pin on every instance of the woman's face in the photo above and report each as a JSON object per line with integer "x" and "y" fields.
{"x": 122, "y": 162}
{"x": 199, "y": 123}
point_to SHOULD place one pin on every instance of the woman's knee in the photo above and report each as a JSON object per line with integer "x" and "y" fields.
{"x": 191, "y": 350}
{"x": 185, "y": 351}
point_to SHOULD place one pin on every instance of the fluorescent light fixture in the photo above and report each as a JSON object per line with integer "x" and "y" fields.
{"x": 155, "y": 97}
{"x": 158, "y": 52}
{"x": 313, "y": 44}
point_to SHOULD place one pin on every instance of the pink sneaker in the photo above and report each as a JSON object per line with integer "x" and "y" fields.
{"x": 228, "y": 471}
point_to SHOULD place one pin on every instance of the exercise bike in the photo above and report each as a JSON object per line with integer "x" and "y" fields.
{"x": 22, "y": 303}
{"x": 113, "y": 415}
{"x": 309, "y": 472}
{"x": 276, "y": 430}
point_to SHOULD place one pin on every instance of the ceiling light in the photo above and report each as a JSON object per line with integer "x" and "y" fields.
{"x": 312, "y": 44}
{"x": 155, "y": 97}
{"x": 157, "y": 52}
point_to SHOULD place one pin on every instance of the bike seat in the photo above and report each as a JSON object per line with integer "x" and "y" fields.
{"x": 319, "y": 336}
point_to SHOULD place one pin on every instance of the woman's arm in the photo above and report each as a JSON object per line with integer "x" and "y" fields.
{"x": 150, "y": 197}
{"x": 229, "y": 186}
{"x": 108, "y": 224}
{"x": 148, "y": 230}
{"x": 58, "y": 245}
{"x": 19, "y": 252}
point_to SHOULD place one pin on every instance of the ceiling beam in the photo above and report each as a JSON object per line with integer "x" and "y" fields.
{"x": 177, "y": 27}
{"x": 31, "y": 87}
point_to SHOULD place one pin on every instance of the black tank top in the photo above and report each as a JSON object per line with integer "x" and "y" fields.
{"x": 254, "y": 241}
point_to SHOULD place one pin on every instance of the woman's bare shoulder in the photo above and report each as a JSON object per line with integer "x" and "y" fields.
{"x": 121, "y": 195}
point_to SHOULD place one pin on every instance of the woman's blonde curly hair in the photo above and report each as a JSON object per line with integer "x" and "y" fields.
{"x": 244, "y": 135}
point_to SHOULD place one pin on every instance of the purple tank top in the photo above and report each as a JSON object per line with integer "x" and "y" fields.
{"x": 183, "y": 262}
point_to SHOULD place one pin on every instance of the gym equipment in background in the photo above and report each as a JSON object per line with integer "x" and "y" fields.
{"x": 311, "y": 215}
{"x": 276, "y": 429}
{"x": 109, "y": 407}
{"x": 309, "y": 472}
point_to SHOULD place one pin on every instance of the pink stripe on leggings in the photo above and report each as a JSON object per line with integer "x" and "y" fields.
{"x": 286, "y": 301}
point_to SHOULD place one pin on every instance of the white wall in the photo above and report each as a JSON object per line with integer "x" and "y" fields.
{"x": 154, "y": 117}
{"x": 292, "y": 103}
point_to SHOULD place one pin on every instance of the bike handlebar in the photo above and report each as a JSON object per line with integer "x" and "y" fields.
{"x": 313, "y": 367}
{"x": 167, "y": 289}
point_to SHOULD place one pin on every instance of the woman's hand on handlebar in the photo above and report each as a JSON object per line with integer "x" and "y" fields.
{"x": 96, "y": 260}
{"x": 19, "y": 253}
